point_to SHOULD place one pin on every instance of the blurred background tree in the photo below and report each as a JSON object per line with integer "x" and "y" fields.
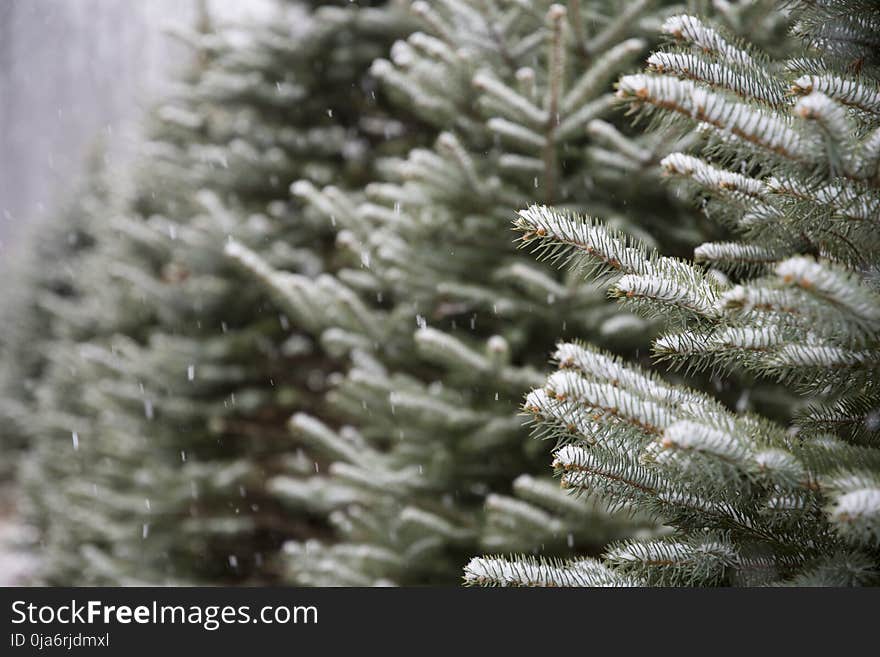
{"x": 168, "y": 376}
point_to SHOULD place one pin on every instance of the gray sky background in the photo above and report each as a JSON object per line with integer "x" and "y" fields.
{"x": 71, "y": 69}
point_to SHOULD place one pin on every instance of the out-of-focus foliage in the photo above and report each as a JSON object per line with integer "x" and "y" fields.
{"x": 159, "y": 416}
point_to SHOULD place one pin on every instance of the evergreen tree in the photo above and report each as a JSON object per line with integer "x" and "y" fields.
{"x": 161, "y": 414}
{"x": 31, "y": 290}
{"x": 790, "y": 165}
{"x": 443, "y": 322}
